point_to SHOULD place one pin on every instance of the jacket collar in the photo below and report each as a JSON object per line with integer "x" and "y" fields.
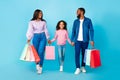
{"x": 79, "y": 19}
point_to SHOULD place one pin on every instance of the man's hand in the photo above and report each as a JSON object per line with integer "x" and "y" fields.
{"x": 72, "y": 43}
{"x": 92, "y": 43}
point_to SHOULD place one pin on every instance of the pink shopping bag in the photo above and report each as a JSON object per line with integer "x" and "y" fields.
{"x": 50, "y": 53}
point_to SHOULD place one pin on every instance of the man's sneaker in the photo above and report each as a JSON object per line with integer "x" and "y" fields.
{"x": 83, "y": 69}
{"x": 61, "y": 68}
{"x": 77, "y": 71}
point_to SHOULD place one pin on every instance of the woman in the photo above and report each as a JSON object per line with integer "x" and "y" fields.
{"x": 37, "y": 31}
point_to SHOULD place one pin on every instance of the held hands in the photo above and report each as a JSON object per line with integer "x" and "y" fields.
{"x": 72, "y": 43}
{"x": 49, "y": 42}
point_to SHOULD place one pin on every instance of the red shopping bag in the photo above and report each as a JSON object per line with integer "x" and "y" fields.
{"x": 50, "y": 52}
{"x": 37, "y": 58}
{"x": 95, "y": 59}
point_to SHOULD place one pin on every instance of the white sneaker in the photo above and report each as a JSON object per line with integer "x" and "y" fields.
{"x": 77, "y": 71}
{"x": 37, "y": 67}
{"x": 61, "y": 68}
{"x": 39, "y": 70}
{"x": 83, "y": 69}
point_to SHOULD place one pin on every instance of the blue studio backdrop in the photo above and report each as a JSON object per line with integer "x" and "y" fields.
{"x": 14, "y": 18}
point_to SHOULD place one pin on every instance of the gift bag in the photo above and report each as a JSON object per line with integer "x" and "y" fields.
{"x": 50, "y": 53}
{"x": 32, "y": 58}
{"x": 24, "y": 52}
{"x": 27, "y": 57}
{"x": 95, "y": 59}
{"x": 27, "y": 54}
{"x": 37, "y": 58}
{"x": 87, "y": 57}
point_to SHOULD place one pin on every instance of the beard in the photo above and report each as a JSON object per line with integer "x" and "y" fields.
{"x": 78, "y": 16}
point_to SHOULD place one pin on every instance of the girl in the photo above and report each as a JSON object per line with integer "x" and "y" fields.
{"x": 38, "y": 31}
{"x": 61, "y": 35}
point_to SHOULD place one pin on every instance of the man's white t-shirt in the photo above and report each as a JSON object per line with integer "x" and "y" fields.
{"x": 80, "y": 34}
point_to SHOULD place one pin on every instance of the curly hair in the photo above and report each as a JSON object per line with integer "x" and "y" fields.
{"x": 65, "y": 25}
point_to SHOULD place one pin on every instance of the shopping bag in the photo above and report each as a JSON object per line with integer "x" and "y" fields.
{"x": 32, "y": 58}
{"x": 37, "y": 58}
{"x": 87, "y": 57}
{"x": 27, "y": 54}
{"x": 95, "y": 59}
{"x": 22, "y": 57}
{"x": 50, "y": 53}
{"x": 27, "y": 57}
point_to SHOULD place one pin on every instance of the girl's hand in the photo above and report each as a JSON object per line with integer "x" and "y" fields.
{"x": 49, "y": 42}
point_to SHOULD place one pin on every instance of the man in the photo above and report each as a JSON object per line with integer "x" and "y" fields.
{"x": 82, "y": 32}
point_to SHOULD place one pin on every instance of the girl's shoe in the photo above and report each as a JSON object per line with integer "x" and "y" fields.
{"x": 39, "y": 70}
{"x": 61, "y": 68}
{"x": 77, "y": 71}
{"x": 37, "y": 67}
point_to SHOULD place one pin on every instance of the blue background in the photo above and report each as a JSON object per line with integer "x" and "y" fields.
{"x": 14, "y": 18}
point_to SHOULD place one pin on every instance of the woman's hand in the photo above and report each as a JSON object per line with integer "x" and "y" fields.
{"x": 49, "y": 42}
{"x": 28, "y": 41}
